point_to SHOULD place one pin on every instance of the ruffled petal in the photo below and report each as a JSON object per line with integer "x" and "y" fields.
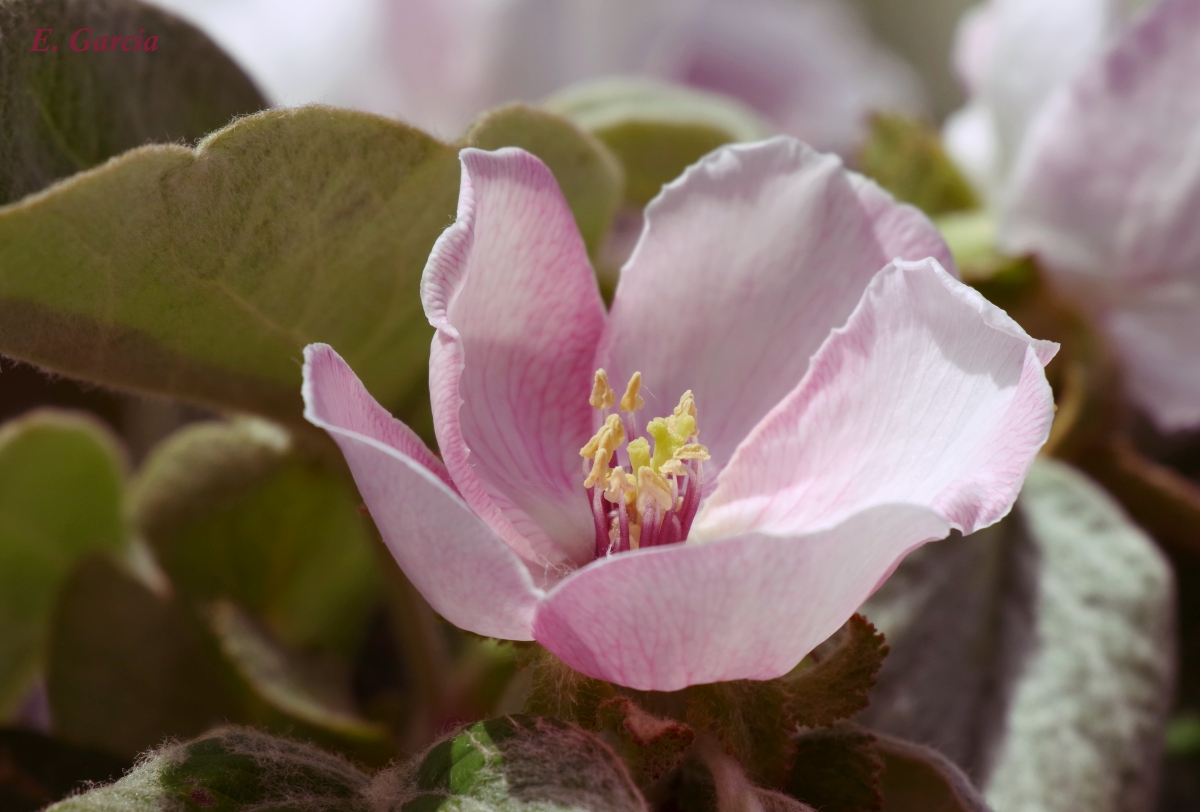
{"x": 929, "y": 396}
{"x": 518, "y": 317}
{"x": 664, "y": 618}
{"x": 467, "y": 573}
{"x": 745, "y": 265}
{"x": 1108, "y": 186}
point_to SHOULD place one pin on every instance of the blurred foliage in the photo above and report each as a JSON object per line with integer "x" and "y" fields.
{"x": 231, "y": 510}
{"x": 61, "y": 113}
{"x": 36, "y": 770}
{"x": 61, "y": 477}
{"x": 905, "y": 156}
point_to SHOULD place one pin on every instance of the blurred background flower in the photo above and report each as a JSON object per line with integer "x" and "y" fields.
{"x": 809, "y": 67}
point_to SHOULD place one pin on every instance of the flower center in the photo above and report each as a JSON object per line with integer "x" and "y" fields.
{"x": 651, "y": 496}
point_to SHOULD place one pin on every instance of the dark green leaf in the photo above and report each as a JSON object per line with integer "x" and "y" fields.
{"x": 126, "y": 667}
{"x": 63, "y": 111}
{"x": 61, "y": 477}
{"x": 36, "y": 770}
{"x": 918, "y": 779}
{"x": 836, "y": 770}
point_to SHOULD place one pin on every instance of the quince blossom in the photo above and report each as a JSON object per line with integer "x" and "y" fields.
{"x": 1104, "y": 189}
{"x": 704, "y": 482}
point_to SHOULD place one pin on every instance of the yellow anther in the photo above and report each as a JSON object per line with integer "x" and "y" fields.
{"x": 673, "y": 466}
{"x": 609, "y": 437}
{"x": 666, "y": 440}
{"x": 687, "y": 405}
{"x": 639, "y": 454}
{"x": 599, "y": 470}
{"x": 652, "y": 488}
{"x": 603, "y": 396}
{"x": 692, "y": 451}
{"x": 620, "y": 486}
{"x": 631, "y": 401}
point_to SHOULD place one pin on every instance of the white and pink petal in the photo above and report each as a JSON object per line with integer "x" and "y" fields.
{"x": 518, "y": 317}
{"x": 745, "y": 264}
{"x": 663, "y": 618}
{"x": 465, "y": 571}
{"x": 929, "y": 396}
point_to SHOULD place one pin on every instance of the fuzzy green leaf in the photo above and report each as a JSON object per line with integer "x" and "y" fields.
{"x": 905, "y": 156}
{"x": 62, "y": 111}
{"x": 61, "y": 477}
{"x": 513, "y": 763}
{"x": 126, "y": 667}
{"x": 202, "y": 274}
{"x": 655, "y": 130}
{"x": 233, "y": 511}
{"x": 232, "y": 770}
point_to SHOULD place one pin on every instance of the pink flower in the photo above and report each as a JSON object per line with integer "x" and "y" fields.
{"x": 1105, "y": 191}
{"x": 819, "y": 417}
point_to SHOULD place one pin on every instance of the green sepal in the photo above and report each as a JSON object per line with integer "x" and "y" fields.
{"x": 655, "y": 130}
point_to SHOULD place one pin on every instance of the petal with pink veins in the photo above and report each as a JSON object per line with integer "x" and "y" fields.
{"x": 519, "y": 317}
{"x": 929, "y": 396}
{"x": 465, "y": 571}
{"x": 752, "y": 607}
{"x": 745, "y": 265}
{"x": 1108, "y": 186}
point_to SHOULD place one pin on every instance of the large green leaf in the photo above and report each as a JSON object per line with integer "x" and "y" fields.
{"x": 63, "y": 111}
{"x": 61, "y": 477}
{"x": 203, "y": 273}
{"x": 233, "y": 511}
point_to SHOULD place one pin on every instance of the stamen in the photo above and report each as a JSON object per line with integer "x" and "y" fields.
{"x": 631, "y": 401}
{"x": 655, "y": 501}
{"x": 603, "y": 396}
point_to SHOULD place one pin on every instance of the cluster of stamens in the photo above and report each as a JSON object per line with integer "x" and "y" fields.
{"x": 649, "y": 497}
